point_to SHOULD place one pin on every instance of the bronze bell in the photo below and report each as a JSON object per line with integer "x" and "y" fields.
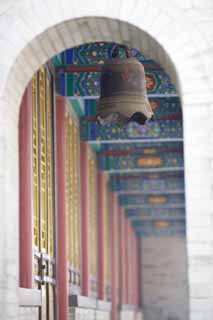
{"x": 123, "y": 91}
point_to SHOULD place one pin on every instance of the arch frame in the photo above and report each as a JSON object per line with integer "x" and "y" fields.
{"x": 34, "y": 44}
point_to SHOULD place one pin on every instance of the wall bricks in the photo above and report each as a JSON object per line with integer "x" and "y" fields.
{"x": 164, "y": 278}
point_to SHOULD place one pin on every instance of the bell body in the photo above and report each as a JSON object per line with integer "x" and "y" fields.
{"x": 123, "y": 89}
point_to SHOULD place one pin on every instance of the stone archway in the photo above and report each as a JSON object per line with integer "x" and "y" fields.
{"x": 41, "y": 34}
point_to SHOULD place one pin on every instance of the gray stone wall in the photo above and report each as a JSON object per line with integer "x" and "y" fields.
{"x": 28, "y": 313}
{"x": 163, "y": 266}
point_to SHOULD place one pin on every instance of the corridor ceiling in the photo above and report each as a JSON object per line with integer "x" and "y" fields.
{"x": 145, "y": 163}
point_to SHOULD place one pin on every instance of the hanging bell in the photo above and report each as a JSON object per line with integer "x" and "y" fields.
{"x": 123, "y": 91}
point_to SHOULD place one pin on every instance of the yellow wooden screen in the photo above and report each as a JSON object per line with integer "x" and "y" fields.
{"x": 50, "y": 169}
{"x": 43, "y": 190}
{"x": 72, "y": 198}
{"x": 43, "y": 157}
{"x": 35, "y": 160}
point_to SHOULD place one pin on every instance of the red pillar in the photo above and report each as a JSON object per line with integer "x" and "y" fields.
{"x": 101, "y": 247}
{"x": 25, "y": 191}
{"x": 85, "y": 213}
{"x": 122, "y": 257}
{"x": 114, "y": 267}
{"x": 127, "y": 259}
{"x": 62, "y": 263}
{"x": 137, "y": 270}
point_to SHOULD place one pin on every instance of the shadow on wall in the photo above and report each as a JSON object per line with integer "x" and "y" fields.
{"x": 157, "y": 313}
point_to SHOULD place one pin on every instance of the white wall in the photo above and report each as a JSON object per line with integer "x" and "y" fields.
{"x": 163, "y": 266}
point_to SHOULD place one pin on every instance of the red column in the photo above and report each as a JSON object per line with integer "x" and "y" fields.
{"x": 127, "y": 259}
{"x": 114, "y": 277}
{"x": 129, "y": 262}
{"x": 122, "y": 257}
{"x": 25, "y": 191}
{"x": 101, "y": 247}
{"x": 62, "y": 263}
{"x": 137, "y": 270}
{"x": 84, "y": 212}
{"x": 132, "y": 274}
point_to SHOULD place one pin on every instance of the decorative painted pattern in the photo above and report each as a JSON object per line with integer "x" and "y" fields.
{"x": 158, "y": 200}
{"x": 88, "y": 83}
{"x": 160, "y": 194}
{"x": 147, "y": 185}
{"x": 159, "y": 228}
{"x": 159, "y": 129}
{"x": 147, "y": 149}
{"x": 152, "y": 213}
{"x": 164, "y": 108}
{"x": 138, "y": 161}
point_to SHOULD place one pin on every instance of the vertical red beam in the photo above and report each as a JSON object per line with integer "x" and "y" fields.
{"x": 129, "y": 263}
{"x": 114, "y": 276}
{"x": 134, "y": 268}
{"x": 132, "y": 264}
{"x": 62, "y": 263}
{"x": 101, "y": 247}
{"x": 122, "y": 257}
{"x": 25, "y": 191}
{"x": 85, "y": 212}
{"x": 127, "y": 259}
{"x": 137, "y": 270}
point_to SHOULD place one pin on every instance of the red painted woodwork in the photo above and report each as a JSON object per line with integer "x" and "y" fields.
{"x": 101, "y": 248}
{"x": 62, "y": 263}
{"x": 85, "y": 212}
{"x": 74, "y": 68}
{"x": 137, "y": 270}
{"x": 122, "y": 257}
{"x": 25, "y": 192}
{"x": 127, "y": 260}
{"x": 115, "y": 256}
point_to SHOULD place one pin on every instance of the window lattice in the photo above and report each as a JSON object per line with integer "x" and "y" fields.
{"x": 35, "y": 160}
{"x": 72, "y": 198}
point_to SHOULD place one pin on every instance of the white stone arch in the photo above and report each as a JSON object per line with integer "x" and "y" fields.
{"x": 32, "y": 31}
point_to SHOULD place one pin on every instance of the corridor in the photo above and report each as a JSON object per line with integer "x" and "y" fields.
{"x": 104, "y": 198}
{"x": 105, "y": 219}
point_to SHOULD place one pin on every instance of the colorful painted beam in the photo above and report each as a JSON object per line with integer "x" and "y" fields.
{"x": 76, "y": 76}
{"x": 155, "y": 212}
{"x": 151, "y": 206}
{"x": 159, "y": 224}
{"x": 164, "y": 217}
{"x": 137, "y": 161}
{"x": 147, "y": 149}
{"x": 164, "y": 185}
{"x": 169, "y": 130}
{"x": 154, "y": 200}
{"x": 152, "y": 232}
{"x": 82, "y": 65}
{"x": 159, "y": 227}
{"x": 165, "y": 106}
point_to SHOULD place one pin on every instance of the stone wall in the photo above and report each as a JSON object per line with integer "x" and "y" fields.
{"x": 28, "y": 313}
{"x": 164, "y": 278}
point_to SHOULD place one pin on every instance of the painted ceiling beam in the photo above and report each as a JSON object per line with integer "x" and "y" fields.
{"x": 157, "y": 218}
{"x": 150, "y": 95}
{"x": 163, "y": 217}
{"x": 153, "y": 212}
{"x": 142, "y": 140}
{"x": 157, "y": 192}
{"x": 141, "y": 170}
{"x": 151, "y": 206}
{"x": 160, "y": 233}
